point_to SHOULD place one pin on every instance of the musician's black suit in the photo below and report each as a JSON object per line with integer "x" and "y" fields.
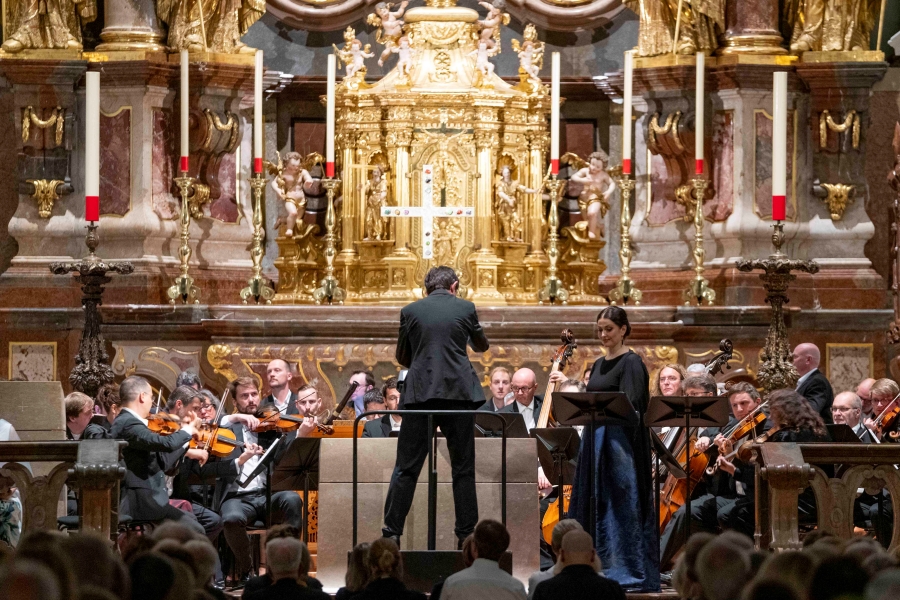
{"x": 434, "y": 334}
{"x": 378, "y": 428}
{"x": 291, "y": 404}
{"x": 818, "y": 391}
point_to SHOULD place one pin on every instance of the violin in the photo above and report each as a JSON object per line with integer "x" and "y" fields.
{"x": 744, "y": 453}
{"x": 217, "y": 441}
{"x": 162, "y": 423}
{"x": 741, "y": 430}
{"x": 271, "y": 419}
{"x": 888, "y": 418}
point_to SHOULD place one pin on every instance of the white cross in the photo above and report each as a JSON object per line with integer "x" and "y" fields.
{"x": 427, "y": 212}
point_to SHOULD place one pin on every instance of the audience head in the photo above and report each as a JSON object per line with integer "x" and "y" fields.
{"x": 884, "y": 586}
{"x": 441, "y": 278}
{"x": 684, "y": 576}
{"x": 560, "y": 530}
{"x": 668, "y": 380}
{"x": 723, "y": 569}
{"x": 523, "y": 385}
{"x": 768, "y": 589}
{"x": 22, "y": 579}
{"x": 391, "y": 394}
{"x": 846, "y": 409}
{"x": 792, "y": 569}
{"x": 245, "y": 392}
{"x": 572, "y": 385}
{"x": 45, "y": 547}
{"x": 182, "y": 400}
{"x": 491, "y": 539}
{"x": 864, "y": 391}
{"x": 613, "y": 327}
{"x": 578, "y": 549}
{"x": 699, "y": 385}
{"x": 743, "y": 399}
{"x": 806, "y": 357}
{"x": 283, "y": 530}
{"x": 384, "y": 560}
{"x": 468, "y": 550}
{"x": 309, "y": 404}
{"x": 373, "y": 400}
{"x": 882, "y": 392}
{"x": 189, "y": 378}
{"x": 136, "y": 394}
{"x": 95, "y": 564}
{"x": 279, "y": 375}
{"x": 283, "y": 556}
{"x": 787, "y": 408}
{"x": 153, "y": 577}
{"x": 838, "y": 577}
{"x": 79, "y": 410}
{"x": 500, "y": 382}
{"x": 357, "y": 572}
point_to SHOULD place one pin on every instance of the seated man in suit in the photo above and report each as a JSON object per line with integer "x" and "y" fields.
{"x": 579, "y": 577}
{"x": 812, "y": 384}
{"x": 143, "y": 493}
{"x": 280, "y": 373}
{"x": 383, "y": 426}
{"x": 373, "y": 400}
{"x": 283, "y": 559}
{"x": 524, "y": 385}
{"x": 500, "y": 382}
{"x": 864, "y": 391}
{"x": 847, "y": 409}
{"x": 79, "y": 410}
{"x": 242, "y": 506}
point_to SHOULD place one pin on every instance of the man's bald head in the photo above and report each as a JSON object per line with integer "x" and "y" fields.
{"x": 523, "y": 385}
{"x": 846, "y": 409}
{"x": 577, "y": 549}
{"x": 806, "y": 357}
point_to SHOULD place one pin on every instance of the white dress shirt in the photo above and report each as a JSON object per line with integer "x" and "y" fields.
{"x": 484, "y": 580}
{"x": 527, "y": 413}
{"x": 803, "y": 379}
{"x": 396, "y": 422}
{"x": 260, "y": 480}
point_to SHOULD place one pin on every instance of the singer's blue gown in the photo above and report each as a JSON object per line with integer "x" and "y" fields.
{"x": 626, "y": 535}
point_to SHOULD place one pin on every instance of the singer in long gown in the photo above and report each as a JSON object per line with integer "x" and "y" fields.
{"x": 626, "y": 535}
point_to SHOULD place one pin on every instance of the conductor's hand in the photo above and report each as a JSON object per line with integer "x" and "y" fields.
{"x": 201, "y": 456}
{"x": 702, "y": 444}
{"x": 308, "y": 426}
{"x": 557, "y": 377}
{"x": 250, "y": 450}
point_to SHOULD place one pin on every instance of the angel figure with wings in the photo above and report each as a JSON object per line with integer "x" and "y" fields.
{"x": 490, "y": 25}
{"x": 531, "y": 56}
{"x": 483, "y": 66}
{"x": 506, "y": 205}
{"x": 290, "y": 175}
{"x": 353, "y": 54}
{"x": 390, "y": 27}
{"x": 596, "y": 189}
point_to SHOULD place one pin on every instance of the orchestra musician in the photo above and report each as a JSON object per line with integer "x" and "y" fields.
{"x": 385, "y": 425}
{"x": 668, "y": 380}
{"x": 373, "y": 401}
{"x": 864, "y": 391}
{"x": 100, "y": 425}
{"x": 813, "y": 385}
{"x": 847, "y": 410}
{"x": 434, "y": 334}
{"x": 500, "y": 382}
{"x": 626, "y": 535}
{"x": 883, "y": 393}
{"x": 524, "y": 386}
{"x": 365, "y": 381}
{"x": 279, "y": 373}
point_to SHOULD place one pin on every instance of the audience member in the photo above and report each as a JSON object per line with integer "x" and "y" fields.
{"x": 357, "y": 574}
{"x": 559, "y": 530}
{"x": 283, "y": 558}
{"x": 838, "y": 577}
{"x": 884, "y": 586}
{"x": 767, "y": 589}
{"x": 579, "y": 578}
{"x": 485, "y": 579}
{"x": 22, "y": 579}
{"x": 468, "y": 554}
{"x": 385, "y": 569}
{"x": 723, "y": 567}
{"x": 684, "y": 575}
{"x": 794, "y": 570}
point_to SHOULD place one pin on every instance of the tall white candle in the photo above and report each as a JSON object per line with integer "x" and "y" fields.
{"x": 779, "y": 146}
{"x": 699, "y": 102}
{"x": 258, "y": 113}
{"x": 92, "y": 147}
{"x": 184, "y": 98}
{"x": 554, "y": 114}
{"x": 329, "y": 119}
{"x": 626, "y": 114}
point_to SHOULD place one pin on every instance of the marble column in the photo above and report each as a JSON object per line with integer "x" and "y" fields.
{"x": 484, "y": 261}
{"x": 751, "y": 27}
{"x": 401, "y": 262}
{"x": 131, "y": 25}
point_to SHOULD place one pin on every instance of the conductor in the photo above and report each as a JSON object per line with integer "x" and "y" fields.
{"x": 434, "y": 333}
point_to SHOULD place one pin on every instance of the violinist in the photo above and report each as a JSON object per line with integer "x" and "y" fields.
{"x": 864, "y": 391}
{"x": 280, "y": 373}
{"x": 209, "y": 406}
{"x": 883, "y": 393}
{"x": 143, "y": 493}
{"x": 244, "y": 506}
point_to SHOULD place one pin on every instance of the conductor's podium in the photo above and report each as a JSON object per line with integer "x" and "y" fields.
{"x": 376, "y": 463}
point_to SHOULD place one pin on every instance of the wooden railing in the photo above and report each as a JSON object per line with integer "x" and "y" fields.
{"x": 92, "y": 466}
{"x": 784, "y": 470}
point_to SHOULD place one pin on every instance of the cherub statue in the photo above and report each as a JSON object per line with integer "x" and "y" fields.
{"x": 390, "y": 27}
{"x": 376, "y": 195}
{"x": 404, "y": 52}
{"x": 46, "y": 24}
{"x": 597, "y": 188}
{"x": 482, "y": 63}
{"x": 531, "y": 55}
{"x": 490, "y": 25}
{"x": 353, "y": 54}
{"x": 506, "y": 205}
{"x": 290, "y": 176}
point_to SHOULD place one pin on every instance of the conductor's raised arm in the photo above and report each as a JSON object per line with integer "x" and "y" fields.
{"x": 478, "y": 341}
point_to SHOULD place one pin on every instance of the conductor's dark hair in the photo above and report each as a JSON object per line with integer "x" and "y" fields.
{"x": 617, "y": 315}
{"x": 440, "y": 278}
{"x": 491, "y": 539}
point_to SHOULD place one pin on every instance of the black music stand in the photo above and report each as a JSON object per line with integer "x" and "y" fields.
{"x": 265, "y": 464}
{"x": 558, "y": 454}
{"x": 298, "y": 469}
{"x": 592, "y": 409}
{"x": 675, "y": 411}
{"x": 487, "y": 425}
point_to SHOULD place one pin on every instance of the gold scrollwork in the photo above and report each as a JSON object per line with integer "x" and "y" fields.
{"x": 198, "y": 199}
{"x": 443, "y": 68}
{"x": 230, "y": 126}
{"x": 45, "y": 194}
{"x": 671, "y": 126}
{"x": 57, "y": 118}
{"x": 219, "y": 356}
{"x": 851, "y": 119}
{"x": 839, "y": 196}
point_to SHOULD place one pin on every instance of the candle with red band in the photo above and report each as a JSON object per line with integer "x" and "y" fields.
{"x": 92, "y": 147}
{"x": 779, "y": 146}
{"x": 257, "y": 165}
{"x": 184, "y": 99}
{"x": 698, "y": 166}
{"x": 626, "y": 113}
{"x": 258, "y": 113}
{"x": 554, "y": 114}
{"x": 699, "y": 106}
{"x": 626, "y": 166}
{"x": 329, "y": 170}
{"x": 184, "y": 164}
{"x": 554, "y": 166}
{"x": 329, "y": 118}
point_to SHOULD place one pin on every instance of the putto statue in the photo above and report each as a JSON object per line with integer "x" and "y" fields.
{"x": 209, "y": 25}
{"x": 376, "y": 195}
{"x": 483, "y": 65}
{"x": 405, "y": 57}
{"x": 506, "y": 205}
{"x": 830, "y": 25}
{"x": 490, "y": 25}
{"x": 531, "y": 59}
{"x": 46, "y": 24}
{"x": 353, "y": 55}
{"x": 698, "y": 28}
{"x": 290, "y": 175}
{"x": 390, "y": 27}
{"x": 596, "y": 189}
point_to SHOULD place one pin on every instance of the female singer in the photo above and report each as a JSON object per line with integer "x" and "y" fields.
{"x": 626, "y": 535}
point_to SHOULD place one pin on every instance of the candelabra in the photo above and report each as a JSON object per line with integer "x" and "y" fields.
{"x": 329, "y": 289}
{"x": 776, "y": 369}
{"x": 698, "y": 289}
{"x": 183, "y": 287}
{"x": 625, "y": 289}
{"x": 553, "y": 290}
{"x": 92, "y": 368}
{"x": 257, "y": 287}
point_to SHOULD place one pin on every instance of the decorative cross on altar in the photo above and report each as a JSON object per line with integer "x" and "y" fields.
{"x": 427, "y": 212}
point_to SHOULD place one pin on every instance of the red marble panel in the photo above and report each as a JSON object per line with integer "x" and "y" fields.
{"x": 579, "y": 137}
{"x": 309, "y": 136}
{"x": 720, "y": 207}
{"x": 115, "y": 163}
{"x": 163, "y": 201}
{"x": 224, "y": 208}
{"x": 763, "y": 168}
{"x": 663, "y": 207}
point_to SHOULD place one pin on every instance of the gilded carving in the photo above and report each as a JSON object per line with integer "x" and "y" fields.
{"x": 389, "y": 27}
{"x": 209, "y": 25}
{"x": 839, "y": 195}
{"x": 486, "y": 278}
{"x": 219, "y": 357}
{"x": 56, "y": 119}
{"x": 443, "y": 68}
{"x": 45, "y": 24}
{"x": 45, "y": 194}
{"x": 830, "y": 25}
{"x": 826, "y": 124}
{"x": 375, "y": 279}
{"x": 673, "y": 26}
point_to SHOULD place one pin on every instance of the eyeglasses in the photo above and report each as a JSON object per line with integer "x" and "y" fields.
{"x": 521, "y": 390}
{"x": 672, "y": 379}
{"x": 842, "y": 408}
{"x": 206, "y": 406}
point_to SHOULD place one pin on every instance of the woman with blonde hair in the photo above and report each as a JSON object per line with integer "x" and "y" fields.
{"x": 385, "y": 571}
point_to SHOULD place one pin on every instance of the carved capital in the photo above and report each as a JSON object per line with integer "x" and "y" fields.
{"x": 219, "y": 356}
{"x": 486, "y": 138}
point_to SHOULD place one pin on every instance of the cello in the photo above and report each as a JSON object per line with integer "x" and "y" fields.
{"x": 675, "y": 491}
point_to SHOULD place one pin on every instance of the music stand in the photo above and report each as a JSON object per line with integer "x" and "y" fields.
{"x": 842, "y": 433}
{"x": 593, "y": 409}
{"x": 675, "y": 411}
{"x": 265, "y": 464}
{"x": 558, "y": 454}
{"x": 487, "y": 425}
{"x": 299, "y": 469}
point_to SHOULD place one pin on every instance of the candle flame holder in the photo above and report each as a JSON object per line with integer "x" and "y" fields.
{"x": 625, "y": 289}
{"x": 553, "y": 290}
{"x": 698, "y": 289}
{"x": 257, "y": 287}
{"x": 329, "y": 289}
{"x": 183, "y": 287}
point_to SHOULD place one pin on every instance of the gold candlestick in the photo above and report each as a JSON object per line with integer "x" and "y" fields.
{"x": 329, "y": 289}
{"x": 625, "y": 289}
{"x": 257, "y": 287}
{"x": 698, "y": 289}
{"x": 553, "y": 290}
{"x": 183, "y": 287}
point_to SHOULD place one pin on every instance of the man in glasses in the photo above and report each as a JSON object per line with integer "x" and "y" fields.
{"x": 523, "y": 385}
